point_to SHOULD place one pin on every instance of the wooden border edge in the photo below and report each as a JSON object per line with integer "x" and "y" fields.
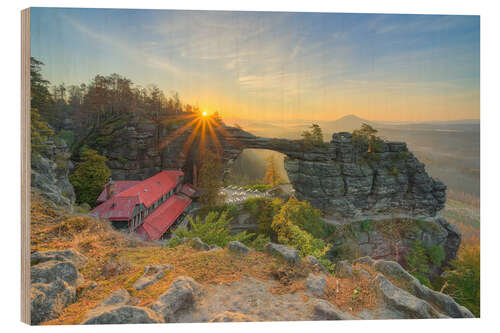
{"x": 25, "y": 166}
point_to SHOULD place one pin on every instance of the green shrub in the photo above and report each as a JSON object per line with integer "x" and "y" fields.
{"x": 288, "y": 225}
{"x": 463, "y": 282}
{"x": 418, "y": 262}
{"x": 213, "y": 230}
{"x": 436, "y": 254}
{"x": 259, "y": 242}
{"x": 89, "y": 177}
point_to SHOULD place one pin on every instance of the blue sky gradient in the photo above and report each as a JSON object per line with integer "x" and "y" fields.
{"x": 274, "y": 66}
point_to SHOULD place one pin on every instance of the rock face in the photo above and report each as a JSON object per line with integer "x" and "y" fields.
{"x": 54, "y": 279}
{"x": 339, "y": 177}
{"x": 49, "y": 173}
{"x": 377, "y": 239}
{"x": 345, "y": 179}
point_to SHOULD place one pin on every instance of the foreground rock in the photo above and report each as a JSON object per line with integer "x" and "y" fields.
{"x": 324, "y": 310}
{"x": 316, "y": 284}
{"x": 54, "y": 279}
{"x": 180, "y": 296}
{"x": 416, "y": 302}
{"x": 399, "y": 300}
{"x": 287, "y": 253}
{"x": 238, "y": 247}
{"x": 116, "y": 309}
{"x": 445, "y": 303}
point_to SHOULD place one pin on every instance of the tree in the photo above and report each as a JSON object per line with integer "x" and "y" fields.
{"x": 41, "y": 102}
{"x": 366, "y": 136}
{"x": 210, "y": 178}
{"x": 272, "y": 176}
{"x": 89, "y": 177}
{"x": 313, "y": 137}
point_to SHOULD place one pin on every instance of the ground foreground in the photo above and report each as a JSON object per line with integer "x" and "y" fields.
{"x": 85, "y": 272}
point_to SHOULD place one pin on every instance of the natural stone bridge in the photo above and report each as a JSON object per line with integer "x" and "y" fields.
{"x": 337, "y": 177}
{"x": 343, "y": 179}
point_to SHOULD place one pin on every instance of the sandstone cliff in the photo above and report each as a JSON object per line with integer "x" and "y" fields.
{"x": 339, "y": 177}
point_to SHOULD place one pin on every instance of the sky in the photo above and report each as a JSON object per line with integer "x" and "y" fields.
{"x": 271, "y": 66}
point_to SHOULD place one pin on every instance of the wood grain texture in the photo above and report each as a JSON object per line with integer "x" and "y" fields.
{"x": 25, "y": 166}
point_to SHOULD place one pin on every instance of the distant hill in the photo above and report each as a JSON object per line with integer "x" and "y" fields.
{"x": 346, "y": 124}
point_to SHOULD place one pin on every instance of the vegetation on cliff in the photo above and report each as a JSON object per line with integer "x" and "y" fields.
{"x": 89, "y": 177}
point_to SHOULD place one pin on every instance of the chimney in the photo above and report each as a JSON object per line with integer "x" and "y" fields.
{"x": 109, "y": 188}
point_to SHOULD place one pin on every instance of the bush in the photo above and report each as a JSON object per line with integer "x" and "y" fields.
{"x": 213, "y": 230}
{"x": 417, "y": 262}
{"x": 436, "y": 254}
{"x": 89, "y": 177}
{"x": 306, "y": 217}
{"x": 464, "y": 281}
{"x": 288, "y": 224}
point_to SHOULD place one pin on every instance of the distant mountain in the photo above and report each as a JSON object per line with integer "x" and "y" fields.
{"x": 346, "y": 124}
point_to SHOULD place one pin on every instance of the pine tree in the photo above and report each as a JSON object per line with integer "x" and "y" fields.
{"x": 209, "y": 178}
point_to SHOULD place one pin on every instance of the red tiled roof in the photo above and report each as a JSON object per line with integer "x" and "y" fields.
{"x": 116, "y": 208}
{"x": 158, "y": 222}
{"x": 188, "y": 190}
{"x": 153, "y": 188}
{"x": 117, "y": 187}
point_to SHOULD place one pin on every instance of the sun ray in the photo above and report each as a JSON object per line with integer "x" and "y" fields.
{"x": 178, "y": 132}
{"x": 189, "y": 141}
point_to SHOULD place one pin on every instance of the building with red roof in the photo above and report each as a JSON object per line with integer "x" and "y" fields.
{"x": 150, "y": 207}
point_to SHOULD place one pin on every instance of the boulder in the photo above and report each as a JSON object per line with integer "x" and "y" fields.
{"x": 316, "y": 284}
{"x": 238, "y": 247}
{"x": 123, "y": 314}
{"x": 324, "y": 310}
{"x": 49, "y": 271}
{"x": 180, "y": 296}
{"x": 287, "y": 253}
{"x": 71, "y": 255}
{"x": 315, "y": 262}
{"x": 48, "y": 300}
{"x": 196, "y": 243}
{"x": 229, "y": 316}
{"x": 405, "y": 303}
{"x": 54, "y": 279}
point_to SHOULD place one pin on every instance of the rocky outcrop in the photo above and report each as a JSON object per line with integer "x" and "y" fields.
{"x": 54, "y": 279}
{"x": 345, "y": 179}
{"x": 392, "y": 239}
{"x": 339, "y": 177}
{"x": 49, "y": 173}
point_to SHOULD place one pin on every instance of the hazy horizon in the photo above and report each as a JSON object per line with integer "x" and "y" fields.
{"x": 269, "y": 66}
